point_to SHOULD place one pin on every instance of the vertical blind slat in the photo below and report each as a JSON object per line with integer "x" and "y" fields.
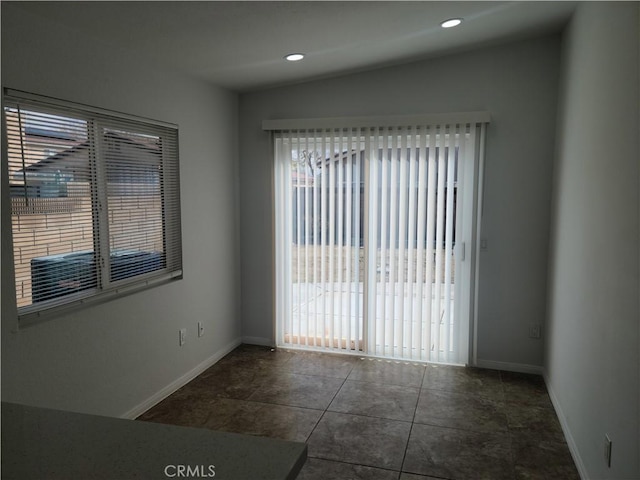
{"x": 448, "y": 254}
{"x": 411, "y": 243}
{"x": 358, "y": 232}
{"x": 402, "y": 224}
{"x": 372, "y": 245}
{"x": 344, "y": 157}
{"x": 384, "y": 228}
{"x": 429, "y": 241}
{"x": 440, "y": 195}
{"x": 317, "y": 247}
{"x": 393, "y": 242}
{"x": 352, "y": 297}
{"x": 420, "y": 273}
{"x": 324, "y": 233}
{"x": 305, "y": 243}
{"x": 289, "y": 234}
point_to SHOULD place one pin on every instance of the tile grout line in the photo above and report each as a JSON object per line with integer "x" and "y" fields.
{"x": 357, "y": 464}
{"x": 415, "y": 410}
{"x": 512, "y": 460}
{"x": 327, "y": 407}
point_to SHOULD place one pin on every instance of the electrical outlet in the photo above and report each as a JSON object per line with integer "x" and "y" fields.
{"x": 183, "y": 336}
{"x": 534, "y": 330}
{"x": 200, "y": 329}
{"x": 607, "y": 450}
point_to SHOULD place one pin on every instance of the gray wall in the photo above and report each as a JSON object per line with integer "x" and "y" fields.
{"x": 517, "y": 84}
{"x": 592, "y": 359}
{"x": 111, "y": 359}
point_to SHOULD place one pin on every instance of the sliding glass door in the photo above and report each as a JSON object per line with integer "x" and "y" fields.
{"x": 374, "y": 239}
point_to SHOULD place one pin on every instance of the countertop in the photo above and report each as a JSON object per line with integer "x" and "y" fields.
{"x": 41, "y": 444}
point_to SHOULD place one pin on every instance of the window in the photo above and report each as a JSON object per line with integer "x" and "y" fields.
{"x": 95, "y": 209}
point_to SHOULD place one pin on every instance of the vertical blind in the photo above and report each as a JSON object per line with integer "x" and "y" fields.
{"x": 95, "y": 204}
{"x": 370, "y": 236}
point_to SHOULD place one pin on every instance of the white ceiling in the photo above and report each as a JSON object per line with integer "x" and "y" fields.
{"x": 240, "y": 45}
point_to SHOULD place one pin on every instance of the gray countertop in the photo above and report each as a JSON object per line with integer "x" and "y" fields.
{"x": 41, "y": 444}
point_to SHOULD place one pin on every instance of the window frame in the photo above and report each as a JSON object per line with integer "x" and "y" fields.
{"x": 98, "y": 122}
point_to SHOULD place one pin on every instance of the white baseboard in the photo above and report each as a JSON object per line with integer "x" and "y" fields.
{"x": 265, "y": 342}
{"x": 510, "y": 367}
{"x": 180, "y": 382}
{"x": 565, "y": 429}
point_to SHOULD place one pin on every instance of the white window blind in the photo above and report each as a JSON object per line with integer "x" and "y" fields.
{"x": 95, "y": 203}
{"x": 375, "y": 231}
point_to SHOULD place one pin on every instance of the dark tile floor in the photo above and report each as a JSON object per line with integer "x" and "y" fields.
{"x": 374, "y": 419}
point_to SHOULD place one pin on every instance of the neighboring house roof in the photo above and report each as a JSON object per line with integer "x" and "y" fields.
{"x": 48, "y": 134}
{"x": 67, "y": 160}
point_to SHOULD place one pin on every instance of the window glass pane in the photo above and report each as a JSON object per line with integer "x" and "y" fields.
{"x": 51, "y": 208}
{"x": 135, "y": 200}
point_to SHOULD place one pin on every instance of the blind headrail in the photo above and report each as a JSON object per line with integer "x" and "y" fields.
{"x": 20, "y": 96}
{"x": 376, "y": 121}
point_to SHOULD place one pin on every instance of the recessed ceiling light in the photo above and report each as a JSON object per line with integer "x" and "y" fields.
{"x": 294, "y": 57}
{"x": 452, "y": 22}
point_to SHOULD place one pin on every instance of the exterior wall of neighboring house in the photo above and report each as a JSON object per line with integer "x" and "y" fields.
{"x": 27, "y": 245}
{"x": 60, "y": 239}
